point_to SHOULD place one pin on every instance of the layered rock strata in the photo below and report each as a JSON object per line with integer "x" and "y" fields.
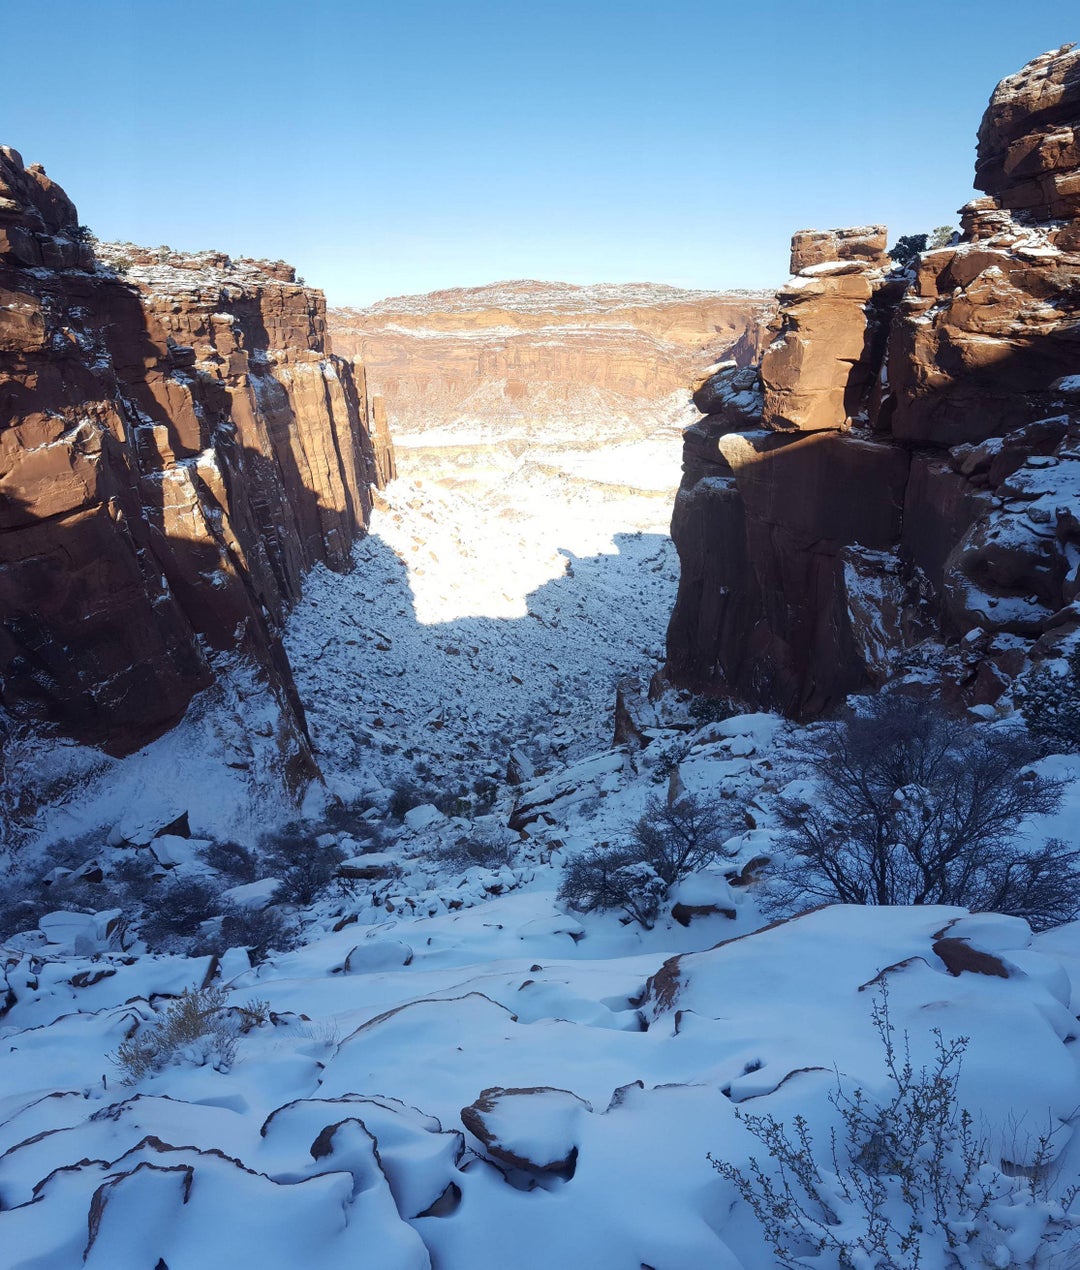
{"x": 529, "y": 355}
{"x": 178, "y": 445}
{"x": 900, "y": 471}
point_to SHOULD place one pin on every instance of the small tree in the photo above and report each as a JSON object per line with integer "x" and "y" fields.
{"x": 906, "y": 248}
{"x": 1050, "y": 704}
{"x": 913, "y": 807}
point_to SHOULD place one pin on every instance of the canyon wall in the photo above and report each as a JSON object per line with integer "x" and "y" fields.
{"x": 893, "y": 488}
{"x": 178, "y": 445}
{"x": 518, "y": 357}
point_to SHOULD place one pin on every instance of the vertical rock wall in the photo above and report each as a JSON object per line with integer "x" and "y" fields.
{"x": 178, "y": 445}
{"x": 902, "y": 469}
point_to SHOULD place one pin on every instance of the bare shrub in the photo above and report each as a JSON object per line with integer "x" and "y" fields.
{"x": 197, "y": 1027}
{"x": 307, "y": 870}
{"x": 603, "y": 879}
{"x": 233, "y": 861}
{"x": 905, "y": 1183}
{"x": 680, "y": 838}
{"x": 913, "y": 807}
{"x": 259, "y": 930}
{"x": 475, "y": 851}
{"x": 667, "y": 844}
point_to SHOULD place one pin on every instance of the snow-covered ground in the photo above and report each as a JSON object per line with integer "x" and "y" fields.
{"x": 451, "y": 1068}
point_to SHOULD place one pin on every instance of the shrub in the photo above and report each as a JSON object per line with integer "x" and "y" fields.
{"x": 180, "y": 906}
{"x": 1050, "y": 704}
{"x": 475, "y": 851}
{"x": 306, "y": 870}
{"x": 407, "y": 794}
{"x": 904, "y": 1183}
{"x": 913, "y": 807}
{"x": 602, "y": 879}
{"x": 711, "y": 709}
{"x": 681, "y": 837}
{"x": 259, "y": 930}
{"x": 667, "y": 844}
{"x": 233, "y": 860}
{"x": 197, "y": 1027}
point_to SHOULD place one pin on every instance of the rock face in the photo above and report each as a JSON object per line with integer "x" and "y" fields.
{"x": 527, "y": 354}
{"x": 900, "y": 472}
{"x": 177, "y": 446}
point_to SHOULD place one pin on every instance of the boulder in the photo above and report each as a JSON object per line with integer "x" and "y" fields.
{"x": 535, "y": 1129}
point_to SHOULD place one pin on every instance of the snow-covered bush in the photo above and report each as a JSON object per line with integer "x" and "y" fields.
{"x": 914, "y": 807}
{"x": 671, "y": 841}
{"x": 904, "y": 1183}
{"x": 198, "y": 1027}
{"x": 1050, "y": 704}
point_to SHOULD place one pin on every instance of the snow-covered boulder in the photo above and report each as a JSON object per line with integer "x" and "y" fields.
{"x": 535, "y": 1129}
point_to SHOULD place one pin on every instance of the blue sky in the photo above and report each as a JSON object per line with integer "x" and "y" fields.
{"x": 410, "y": 145}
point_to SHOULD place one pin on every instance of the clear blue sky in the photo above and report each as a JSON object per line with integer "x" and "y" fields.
{"x": 408, "y": 145}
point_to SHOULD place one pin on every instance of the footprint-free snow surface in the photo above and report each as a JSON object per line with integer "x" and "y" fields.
{"x": 450, "y": 1068}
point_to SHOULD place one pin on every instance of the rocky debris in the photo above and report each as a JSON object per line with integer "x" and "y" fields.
{"x": 178, "y": 447}
{"x": 532, "y": 1129}
{"x": 932, "y": 500}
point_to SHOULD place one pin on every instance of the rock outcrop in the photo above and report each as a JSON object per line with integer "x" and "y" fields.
{"x": 526, "y": 355}
{"x": 900, "y": 472}
{"x": 178, "y": 445}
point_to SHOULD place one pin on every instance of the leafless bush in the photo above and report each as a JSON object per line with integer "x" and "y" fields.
{"x": 906, "y": 1182}
{"x": 912, "y": 807}
{"x": 306, "y": 870}
{"x": 474, "y": 851}
{"x": 232, "y": 860}
{"x": 259, "y": 930}
{"x": 667, "y": 844}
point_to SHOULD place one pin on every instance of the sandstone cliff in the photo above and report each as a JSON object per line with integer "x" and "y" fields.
{"x": 177, "y": 446}
{"x": 524, "y": 356}
{"x": 895, "y": 486}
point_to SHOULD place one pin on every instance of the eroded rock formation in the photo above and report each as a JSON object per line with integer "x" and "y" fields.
{"x": 900, "y": 472}
{"x": 177, "y": 446}
{"x": 531, "y": 354}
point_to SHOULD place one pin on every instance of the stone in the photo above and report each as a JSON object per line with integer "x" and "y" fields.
{"x": 911, "y": 471}
{"x": 177, "y": 447}
{"x": 534, "y": 1129}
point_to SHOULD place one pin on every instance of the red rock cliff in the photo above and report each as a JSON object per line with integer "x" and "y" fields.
{"x": 533, "y": 354}
{"x": 177, "y": 446}
{"x": 901, "y": 472}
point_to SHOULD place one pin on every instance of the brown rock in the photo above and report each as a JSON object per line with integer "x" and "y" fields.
{"x": 1029, "y": 138}
{"x": 866, "y": 244}
{"x": 177, "y": 447}
{"x": 523, "y": 357}
{"x": 491, "y": 1118}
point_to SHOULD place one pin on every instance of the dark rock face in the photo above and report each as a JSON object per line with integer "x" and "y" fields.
{"x": 904, "y": 464}
{"x": 177, "y": 447}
